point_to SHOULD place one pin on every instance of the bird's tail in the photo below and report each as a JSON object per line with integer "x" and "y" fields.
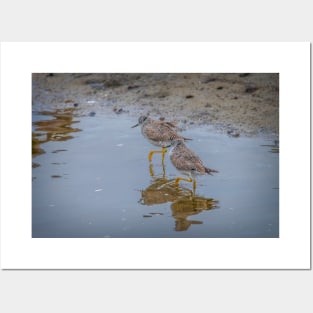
{"x": 210, "y": 171}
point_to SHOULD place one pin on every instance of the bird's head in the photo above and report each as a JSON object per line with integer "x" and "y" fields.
{"x": 141, "y": 120}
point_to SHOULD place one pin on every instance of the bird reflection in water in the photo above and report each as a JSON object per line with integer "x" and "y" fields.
{"x": 186, "y": 206}
{"x": 184, "y": 202}
{"x": 57, "y": 129}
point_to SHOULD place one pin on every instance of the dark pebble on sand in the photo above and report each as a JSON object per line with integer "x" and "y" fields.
{"x": 244, "y": 74}
{"x": 133, "y": 87}
{"x": 119, "y": 111}
{"x": 219, "y": 88}
{"x": 75, "y": 105}
{"x": 208, "y": 80}
{"x": 113, "y": 83}
{"x": 250, "y": 89}
{"x": 92, "y": 113}
{"x": 189, "y": 96}
{"x": 233, "y": 133}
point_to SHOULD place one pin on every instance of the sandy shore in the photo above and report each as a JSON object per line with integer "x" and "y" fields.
{"x": 238, "y": 104}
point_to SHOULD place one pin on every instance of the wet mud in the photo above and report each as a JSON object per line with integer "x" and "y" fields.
{"x": 236, "y": 104}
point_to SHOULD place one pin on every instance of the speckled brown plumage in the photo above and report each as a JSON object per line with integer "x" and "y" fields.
{"x": 159, "y": 133}
{"x": 187, "y": 162}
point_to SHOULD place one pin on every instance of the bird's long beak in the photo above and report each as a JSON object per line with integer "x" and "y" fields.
{"x": 135, "y": 125}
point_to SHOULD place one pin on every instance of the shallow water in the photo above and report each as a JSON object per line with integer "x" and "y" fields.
{"x": 92, "y": 178}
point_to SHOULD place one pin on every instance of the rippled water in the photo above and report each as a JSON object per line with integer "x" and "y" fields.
{"x": 92, "y": 178}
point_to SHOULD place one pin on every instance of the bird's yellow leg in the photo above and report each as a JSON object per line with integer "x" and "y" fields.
{"x": 163, "y": 151}
{"x": 152, "y": 152}
{"x": 189, "y": 180}
{"x": 151, "y": 170}
{"x": 194, "y": 186}
{"x": 163, "y": 168}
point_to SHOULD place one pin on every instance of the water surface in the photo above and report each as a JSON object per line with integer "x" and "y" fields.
{"x": 92, "y": 178}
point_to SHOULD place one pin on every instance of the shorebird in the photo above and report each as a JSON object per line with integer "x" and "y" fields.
{"x": 159, "y": 133}
{"x": 187, "y": 162}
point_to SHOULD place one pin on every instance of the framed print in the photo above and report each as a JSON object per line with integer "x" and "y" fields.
{"x": 155, "y": 155}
